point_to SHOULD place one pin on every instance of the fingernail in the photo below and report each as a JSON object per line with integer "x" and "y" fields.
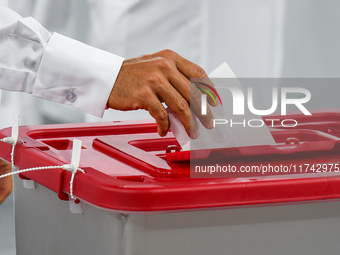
{"x": 196, "y": 134}
{"x": 211, "y": 123}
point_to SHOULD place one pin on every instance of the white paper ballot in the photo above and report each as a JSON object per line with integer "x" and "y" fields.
{"x": 232, "y": 130}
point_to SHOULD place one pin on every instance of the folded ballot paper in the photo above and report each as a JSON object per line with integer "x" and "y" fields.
{"x": 230, "y": 130}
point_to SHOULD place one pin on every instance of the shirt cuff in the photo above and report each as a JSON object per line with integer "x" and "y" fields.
{"x": 76, "y": 74}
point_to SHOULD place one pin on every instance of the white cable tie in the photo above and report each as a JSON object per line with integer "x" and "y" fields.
{"x": 30, "y": 169}
{"x": 15, "y": 128}
{"x": 15, "y": 135}
{"x": 69, "y": 167}
{"x": 74, "y": 166}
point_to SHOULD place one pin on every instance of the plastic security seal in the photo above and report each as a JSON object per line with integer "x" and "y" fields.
{"x": 75, "y": 160}
{"x": 14, "y": 136}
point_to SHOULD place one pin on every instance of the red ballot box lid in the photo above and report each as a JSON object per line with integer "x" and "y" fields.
{"x": 129, "y": 168}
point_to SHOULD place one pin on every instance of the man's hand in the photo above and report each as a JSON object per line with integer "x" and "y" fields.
{"x": 5, "y": 183}
{"x": 147, "y": 81}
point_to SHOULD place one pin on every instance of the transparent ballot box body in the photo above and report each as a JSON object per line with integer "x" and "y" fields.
{"x": 137, "y": 197}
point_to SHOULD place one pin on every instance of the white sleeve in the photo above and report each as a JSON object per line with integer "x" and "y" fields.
{"x": 52, "y": 66}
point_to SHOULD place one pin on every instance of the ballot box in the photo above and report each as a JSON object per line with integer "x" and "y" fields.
{"x": 136, "y": 195}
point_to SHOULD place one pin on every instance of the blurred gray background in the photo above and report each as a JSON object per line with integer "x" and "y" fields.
{"x": 311, "y": 49}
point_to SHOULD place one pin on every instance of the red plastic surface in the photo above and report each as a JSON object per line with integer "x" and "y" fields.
{"x": 127, "y": 168}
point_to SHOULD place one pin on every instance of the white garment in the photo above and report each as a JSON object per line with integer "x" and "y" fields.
{"x": 52, "y": 66}
{"x": 246, "y": 34}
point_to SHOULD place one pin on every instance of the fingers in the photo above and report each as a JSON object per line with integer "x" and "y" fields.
{"x": 5, "y": 188}
{"x": 178, "y": 104}
{"x": 197, "y": 73}
{"x": 207, "y": 87}
{"x": 158, "y": 112}
{"x": 196, "y": 106}
{"x": 189, "y": 69}
{"x": 193, "y": 96}
{"x": 181, "y": 95}
{"x": 5, "y": 183}
{"x": 194, "y": 132}
{"x": 144, "y": 82}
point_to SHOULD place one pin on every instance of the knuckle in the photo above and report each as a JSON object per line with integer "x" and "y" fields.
{"x": 163, "y": 115}
{"x": 169, "y": 53}
{"x": 154, "y": 78}
{"x": 192, "y": 123}
{"x": 142, "y": 98}
{"x": 146, "y": 93}
{"x": 163, "y": 64}
{"x": 144, "y": 90}
{"x": 137, "y": 104}
{"x": 194, "y": 91}
{"x": 200, "y": 72}
{"x": 182, "y": 104}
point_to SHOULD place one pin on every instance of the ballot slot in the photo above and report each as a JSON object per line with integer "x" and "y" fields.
{"x": 319, "y": 132}
{"x": 163, "y": 157}
{"x": 60, "y": 144}
{"x": 288, "y": 142}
